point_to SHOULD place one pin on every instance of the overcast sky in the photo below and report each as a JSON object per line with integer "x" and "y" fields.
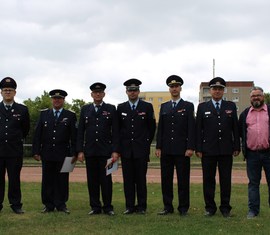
{"x": 71, "y": 44}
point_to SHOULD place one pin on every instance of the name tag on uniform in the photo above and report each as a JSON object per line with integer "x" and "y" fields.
{"x": 206, "y": 113}
{"x": 124, "y": 114}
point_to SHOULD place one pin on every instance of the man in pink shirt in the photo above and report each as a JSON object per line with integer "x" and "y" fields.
{"x": 254, "y": 130}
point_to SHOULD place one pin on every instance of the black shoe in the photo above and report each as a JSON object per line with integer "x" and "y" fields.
{"x": 165, "y": 212}
{"x": 226, "y": 214}
{"x": 209, "y": 214}
{"x": 128, "y": 212}
{"x": 183, "y": 213}
{"x": 46, "y": 210}
{"x": 94, "y": 212}
{"x": 141, "y": 212}
{"x": 18, "y": 211}
{"x": 65, "y": 210}
{"x": 110, "y": 213}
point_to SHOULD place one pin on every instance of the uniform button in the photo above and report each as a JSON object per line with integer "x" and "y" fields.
{"x": 96, "y": 139}
{"x": 54, "y": 131}
{"x": 218, "y": 116}
{"x": 172, "y": 116}
{"x": 132, "y": 139}
{"x": 53, "y": 138}
{"x": 219, "y": 124}
{"x": 132, "y": 119}
{"x": 53, "y": 145}
{"x": 172, "y": 123}
{"x": 172, "y": 138}
{"x": 97, "y": 119}
{"x": 7, "y": 120}
{"x": 220, "y": 138}
{"x": 172, "y": 130}
{"x": 96, "y": 125}
{"x": 6, "y": 126}
{"x": 132, "y": 126}
{"x": 132, "y": 133}
{"x": 6, "y": 141}
{"x": 6, "y": 133}
{"x": 96, "y": 132}
{"x": 219, "y": 131}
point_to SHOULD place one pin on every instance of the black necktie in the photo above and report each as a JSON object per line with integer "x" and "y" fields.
{"x": 56, "y": 115}
{"x": 8, "y": 107}
{"x": 133, "y": 107}
{"x": 98, "y": 107}
{"x": 217, "y": 107}
{"x": 174, "y": 104}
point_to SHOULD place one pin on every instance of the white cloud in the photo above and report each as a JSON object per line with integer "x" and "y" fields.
{"x": 71, "y": 44}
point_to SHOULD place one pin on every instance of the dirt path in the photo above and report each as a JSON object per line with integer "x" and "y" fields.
{"x": 33, "y": 174}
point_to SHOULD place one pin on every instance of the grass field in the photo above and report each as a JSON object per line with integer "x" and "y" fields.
{"x": 79, "y": 222}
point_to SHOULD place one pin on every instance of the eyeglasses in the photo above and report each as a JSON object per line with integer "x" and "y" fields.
{"x": 255, "y": 96}
{"x": 8, "y": 90}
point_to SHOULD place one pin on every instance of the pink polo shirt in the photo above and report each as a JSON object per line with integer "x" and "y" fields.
{"x": 258, "y": 128}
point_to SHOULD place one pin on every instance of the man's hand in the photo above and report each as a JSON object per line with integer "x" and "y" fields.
{"x": 81, "y": 156}
{"x": 37, "y": 157}
{"x": 74, "y": 159}
{"x": 158, "y": 153}
{"x": 199, "y": 154}
{"x": 189, "y": 153}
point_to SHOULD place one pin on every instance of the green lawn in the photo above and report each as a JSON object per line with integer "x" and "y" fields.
{"x": 78, "y": 222}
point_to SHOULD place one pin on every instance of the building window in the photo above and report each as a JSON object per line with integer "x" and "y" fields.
{"x": 235, "y": 99}
{"x": 225, "y": 90}
{"x": 160, "y": 99}
{"x": 150, "y": 100}
{"x": 235, "y": 90}
{"x": 205, "y": 90}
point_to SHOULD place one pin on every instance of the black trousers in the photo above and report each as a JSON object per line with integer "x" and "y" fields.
{"x": 13, "y": 167}
{"x": 55, "y": 188}
{"x": 209, "y": 166}
{"x": 98, "y": 181}
{"x": 134, "y": 175}
{"x": 182, "y": 165}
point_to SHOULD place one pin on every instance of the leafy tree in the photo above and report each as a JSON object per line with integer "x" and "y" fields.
{"x": 267, "y": 98}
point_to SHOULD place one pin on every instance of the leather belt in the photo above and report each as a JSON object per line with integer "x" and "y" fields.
{"x": 260, "y": 150}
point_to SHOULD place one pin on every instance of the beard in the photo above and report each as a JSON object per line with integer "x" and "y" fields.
{"x": 257, "y": 104}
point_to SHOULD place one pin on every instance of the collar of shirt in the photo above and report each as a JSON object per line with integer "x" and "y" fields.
{"x": 263, "y": 108}
{"x": 176, "y": 101}
{"x": 131, "y": 104}
{"x": 214, "y": 102}
{"x": 95, "y": 105}
{"x": 60, "y": 110}
{"x": 5, "y": 104}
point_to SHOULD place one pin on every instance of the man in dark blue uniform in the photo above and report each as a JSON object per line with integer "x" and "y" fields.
{"x": 14, "y": 126}
{"x": 97, "y": 142}
{"x": 175, "y": 146}
{"x": 217, "y": 140}
{"x": 54, "y": 140}
{"x": 137, "y": 129}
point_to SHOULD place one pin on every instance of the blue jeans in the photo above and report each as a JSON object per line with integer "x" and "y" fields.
{"x": 255, "y": 162}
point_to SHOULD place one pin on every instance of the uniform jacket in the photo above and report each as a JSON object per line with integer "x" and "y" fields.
{"x": 176, "y": 128}
{"x": 14, "y": 127}
{"x": 137, "y": 129}
{"x": 217, "y": 134}
{"x": 98, "y": 131}
{"x": 55, "y": 140}
{"x": 243, "y": 128}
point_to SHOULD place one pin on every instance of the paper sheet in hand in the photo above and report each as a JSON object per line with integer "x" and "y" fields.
{"x": 111, "y": 166}
{"x": 67, "y": 165}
